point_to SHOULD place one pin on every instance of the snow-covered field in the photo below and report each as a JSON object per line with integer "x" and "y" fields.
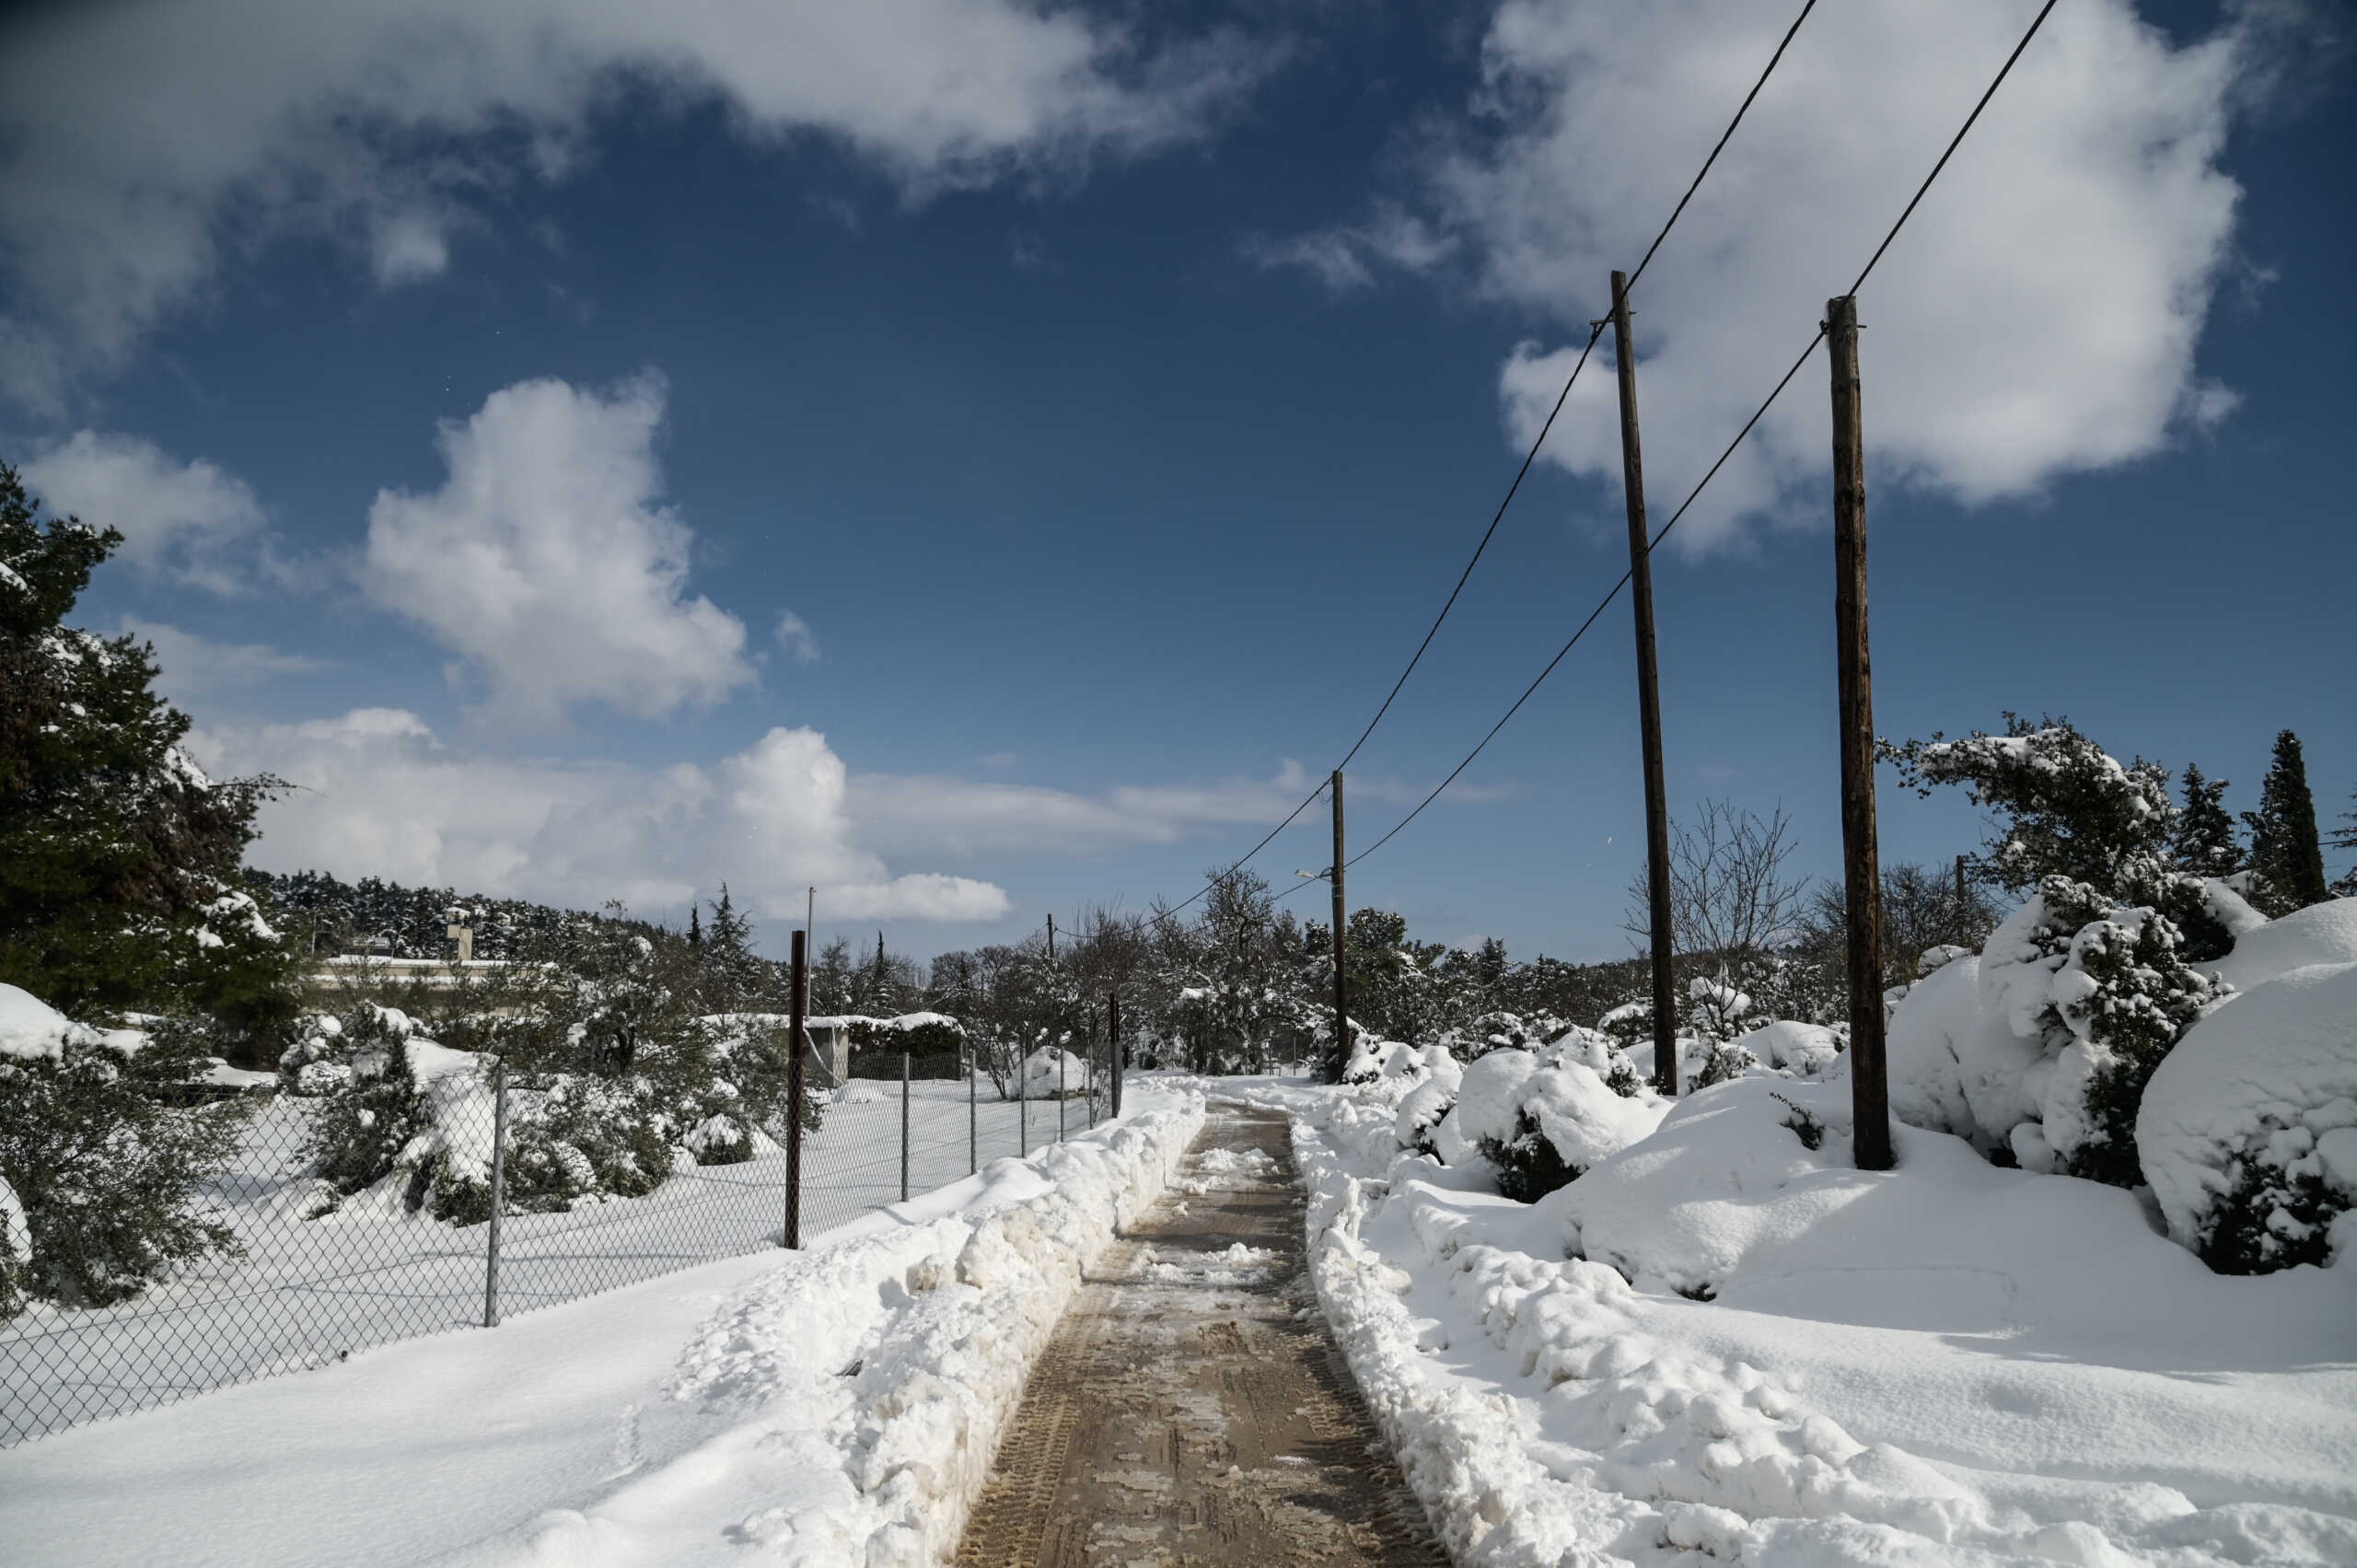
{"x": 838, "y": 1406}
{"x": 308, "y": 1293}
{"x": 1722, "y": 1345}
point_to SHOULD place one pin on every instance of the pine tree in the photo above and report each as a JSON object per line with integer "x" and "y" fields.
{"x": 2204, "y": 842}
{"x": 731, "y": 971}
{"x": 115, "y": 848}
{"x": 695, "y": 928}
{"x": 2284, "y": 849}
{"x": 2346, "y": 837}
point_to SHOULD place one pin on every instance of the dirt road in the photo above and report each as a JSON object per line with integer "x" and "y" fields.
{"x": 1191, "y": 1408}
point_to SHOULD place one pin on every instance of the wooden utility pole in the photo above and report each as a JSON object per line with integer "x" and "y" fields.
{"x": 1051, "y": 941}
{"x": 1862, "y": 872}
{"x": 1113, "y": 1042}
{"x": 1640, "y": 594}
{"x": 799, "y": 1000}
{"x": 1341, "y": 1052}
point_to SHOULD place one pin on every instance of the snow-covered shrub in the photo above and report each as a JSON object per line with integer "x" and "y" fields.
{"x": 1793, "y": 1050}
{"x": 1537, "y": 1127}
{"x": 1420, "y": 1112}
{"x": 1601, "y": 1055}
{"x": 2041, "y": 1049}
{"x": 2248, "y": 1130}
{"x": 1051, "y": 1071}
{"x": 104, "y": 1171}
{"x": 371, "y": 1105}
{"x": 16, "y": 1253}
{"x": 1725, "y": 1061}
{"x": 1630, "y": 1025}
{"x": 1499, "y": 1030}
{"x": 1717, "y": 1010}
{"x": 2321, "y": 934}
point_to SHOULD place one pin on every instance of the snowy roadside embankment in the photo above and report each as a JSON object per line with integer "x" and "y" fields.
{"x": 863, "y": 1390}
{"x": 1724, "y": 1343}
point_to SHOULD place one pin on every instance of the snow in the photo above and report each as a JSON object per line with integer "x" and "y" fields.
{"x": 290, "y": 1301}
{"x": 1574, "y": 1112}
{"x": 836, "y": 1406}
{"x": 2269, "y": 1080}
{"x": 1804, "y": 1050}
{"x": 1049, "y": 1071}
{"x": 1720, "y": 1341}
{"x": 2321, "y": 934}
{"x": 16, "y": 1230}
{"x": 31, "y": 1030}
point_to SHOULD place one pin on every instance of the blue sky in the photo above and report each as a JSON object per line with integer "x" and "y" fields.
{"x": 1111, "y": 405}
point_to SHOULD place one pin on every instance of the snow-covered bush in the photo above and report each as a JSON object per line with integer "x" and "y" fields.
{"x": 1792, "y": 1050}
{"x": 1538, "y": 1126}
{"x": 1499, "y": 1030}
{"x": 16, "y": 1253}
{"x": 104, "y": 1171}
{"x": 2248, "y": 1130}
{"x": 371, "y": 1105}
{"x": 2041, "y": 1047}
{"x": 1049, "y": 1072}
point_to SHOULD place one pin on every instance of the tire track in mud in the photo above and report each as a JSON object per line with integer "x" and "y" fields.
{"x": 1192, "y": 1408}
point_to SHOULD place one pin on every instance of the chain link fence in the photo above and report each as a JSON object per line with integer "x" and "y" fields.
{"x": 315, "y": 1273}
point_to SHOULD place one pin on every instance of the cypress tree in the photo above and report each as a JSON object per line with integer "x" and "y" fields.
{"x": 2284, "y": 849}
{"x": 2204, "y": 842}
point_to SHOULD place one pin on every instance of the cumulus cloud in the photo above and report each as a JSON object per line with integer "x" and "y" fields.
{"x": 185, "y": 522}
{"x": 548, "y": 562}
{"x": 2037, "y": 316}
{"x": 194, "y": 666}
{"x": 377, "y": 792}
{"x": 131, "y": 132}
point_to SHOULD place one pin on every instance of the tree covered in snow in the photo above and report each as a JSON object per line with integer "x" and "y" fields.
{"x": 2066, "y": 808}
{"x": 118, "y": 856}
{"x": 2284, "y": 849}
{"x": 104, "y": 1167}
{"x": 2204, "y": 842}
{"x": 2346, "y": 838}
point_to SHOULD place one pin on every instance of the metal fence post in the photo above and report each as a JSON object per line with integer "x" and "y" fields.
{"x": 973, "y": 1116}
{"x": 793, "y": 1094}
{"x": 1113, "y": 1032}
{"x": 904, "y": 1127}
{"x": 1022, "y": 1107}
{"x": 498, "y": 1195}
{"x": 1062, "y": 1057}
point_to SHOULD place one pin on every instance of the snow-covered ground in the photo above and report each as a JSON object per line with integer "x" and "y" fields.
{"x": 309, "y": 1292}
{"x": 1723, "y": 1346}
{"x": 839, "y": 1406}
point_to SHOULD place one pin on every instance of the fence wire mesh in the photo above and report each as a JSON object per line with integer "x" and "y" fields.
{"x": 315, "y": 1274}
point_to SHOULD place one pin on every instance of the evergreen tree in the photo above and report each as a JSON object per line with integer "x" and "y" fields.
{"x": 2284, "y": 849}
{"x": 695, "y": 928}
{"x": 115, "y": 848}
{"x": 2346, "y": 837}
{"x": 731, "y": 973}
{"x": 2204, "y": 844}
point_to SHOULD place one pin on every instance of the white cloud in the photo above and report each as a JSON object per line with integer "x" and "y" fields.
{"x": 378, "y": 793}
{"x": 146, "y": 142}
{"x": 192, "y": 664}
{"x": 549, "y": 563}
{"x": 2037, "y": 316}
{"x": 794, "y": 634}
{"x": 186, "y": 522}
{"x": 1343, "y": 258}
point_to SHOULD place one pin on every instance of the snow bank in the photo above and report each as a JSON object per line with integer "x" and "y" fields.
{"x": 2321, "y": 934}
{"x": 2248, "y": 1129}
{"x": 1947, "y": 1362}
{"x": 866, "y": 1387}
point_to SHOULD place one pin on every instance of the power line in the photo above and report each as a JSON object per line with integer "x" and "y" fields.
{"x": 1596, "y": 332}
{"x": 1748, "y": 424}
